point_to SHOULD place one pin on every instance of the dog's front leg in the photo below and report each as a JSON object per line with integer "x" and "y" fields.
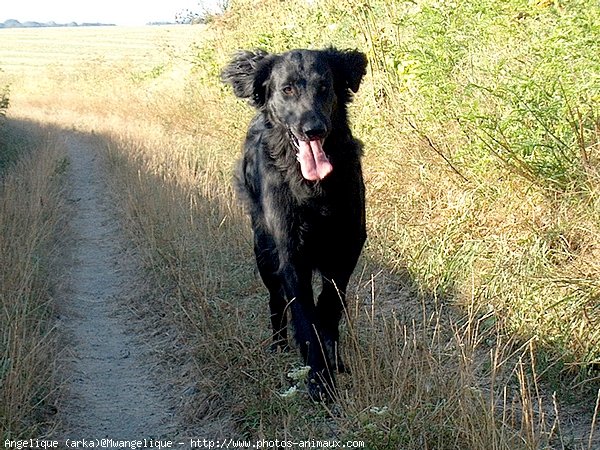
{"x": 295, "y": 273}
{"x": 297, "y": 285}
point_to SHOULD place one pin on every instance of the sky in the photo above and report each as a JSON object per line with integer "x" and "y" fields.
{"x": 120, "y": 12}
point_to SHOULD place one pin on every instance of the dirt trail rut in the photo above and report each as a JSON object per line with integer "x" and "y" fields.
{"x": 109, "y": 391}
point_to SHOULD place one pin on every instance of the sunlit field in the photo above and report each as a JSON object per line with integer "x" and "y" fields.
{"x": 67, "y": 49}
{"x": 473, "y": 317}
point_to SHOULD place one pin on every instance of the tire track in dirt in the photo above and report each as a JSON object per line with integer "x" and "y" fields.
{"x": 106, "y": 366}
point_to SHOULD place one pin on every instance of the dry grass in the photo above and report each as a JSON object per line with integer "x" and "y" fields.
{"x": 30, "y": 214}
{"x": 421, "y": 377}
{"x": 418, "y": 377}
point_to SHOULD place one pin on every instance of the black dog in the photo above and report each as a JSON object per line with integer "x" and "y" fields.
{"x": 301, "y": 179}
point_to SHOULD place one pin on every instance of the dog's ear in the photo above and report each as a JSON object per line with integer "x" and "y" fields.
{"x": 248, "y": 74}
{"x": 349, "y": 67}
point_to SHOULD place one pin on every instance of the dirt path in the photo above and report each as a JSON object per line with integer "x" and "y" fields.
{"x": 109, "y": 392}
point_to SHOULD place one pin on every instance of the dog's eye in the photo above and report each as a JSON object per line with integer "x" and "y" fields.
{"x": 323, "y": 88}
{"x": 288, "y": 90}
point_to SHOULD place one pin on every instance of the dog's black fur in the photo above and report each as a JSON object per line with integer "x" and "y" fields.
{"x": 303, "y": 225}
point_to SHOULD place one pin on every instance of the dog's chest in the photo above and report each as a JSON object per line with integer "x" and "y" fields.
{"x": 315, "y": 220}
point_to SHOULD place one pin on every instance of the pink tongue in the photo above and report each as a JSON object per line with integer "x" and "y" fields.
{"x": 313, "y": 161}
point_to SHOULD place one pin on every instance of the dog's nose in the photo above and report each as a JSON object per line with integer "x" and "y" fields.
{"x": 314, "y": 130}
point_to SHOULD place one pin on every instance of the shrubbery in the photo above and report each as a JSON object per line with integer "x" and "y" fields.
{"x": 4, "y": 99}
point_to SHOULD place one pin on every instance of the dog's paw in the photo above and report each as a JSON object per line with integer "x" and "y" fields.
{"x": 321, "y": 386}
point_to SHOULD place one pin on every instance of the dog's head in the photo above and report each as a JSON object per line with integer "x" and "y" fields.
{"x": 301, "y": 91}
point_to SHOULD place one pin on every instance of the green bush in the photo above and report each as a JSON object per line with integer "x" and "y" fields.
{"x": 521, "y": 79}
{"x": 4, "y": 99}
